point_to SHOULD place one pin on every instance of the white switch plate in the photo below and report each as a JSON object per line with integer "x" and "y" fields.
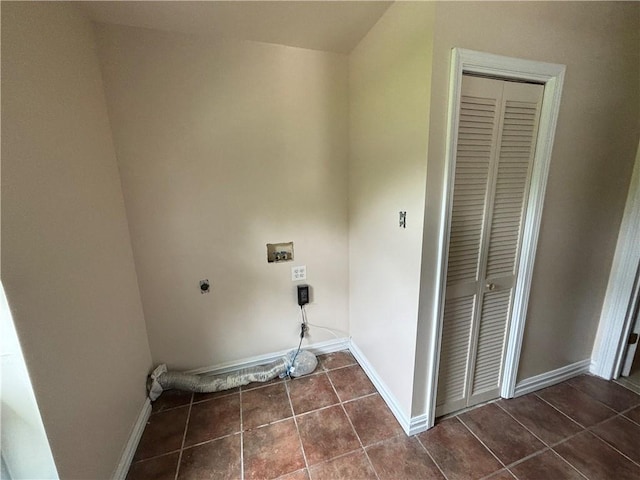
{"x": 298, "y": 273}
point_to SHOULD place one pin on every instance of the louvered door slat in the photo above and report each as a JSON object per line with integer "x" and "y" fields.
{"x": 475, "y": 140}
{"x": 507, "y": 211}
{"x": 454, "y": 349}
{"x": 491, "y": 338}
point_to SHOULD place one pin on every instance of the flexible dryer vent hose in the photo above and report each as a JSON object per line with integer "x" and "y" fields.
{"x": 294, "y": 364}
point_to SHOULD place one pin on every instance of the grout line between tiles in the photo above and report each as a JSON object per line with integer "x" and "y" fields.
{"x": 528, "y": 457}
{"x": 241, "y": 438}
{"x": 211, "y": 440}
{"x": 342, "y": 367}
{"x": 431, "y": 457}
{"x": 505, "y": 469}
{"x": 338, "y": 457}
{"x": 184, "y": 437}
{"x": 354, "y": 428}
{"x": 570, "y": 464}
{"x": 632, "y": 421}
{"x": 196, "y": 402}
{"x": 364, "y": 450}
{"x": 483, "y": 444}
{"x": 585, "y": 429}
{"x": 303, "y": 414}
{"x": 627, "y": 410}
{"x": 590, "y": 430}
{"x": 384, "y": 440}
{"x": 595, "y": 434}
{"x": 326, "y": 369}
{"x": 295, "y": 421}
{"x": 153, "y": 457}
{"x": 607, "y": 420}
{"x": 280, "y": 420}
{"x": 591, "y": 396}
{"x": 614, "y": 448}
{"x": 359, "y": 398}
{"x": 612, "y": 381}
{"x": 513, "y": 474}
{"x": 522, "y": 424}
{"x": 570, "y": 437}
{"x": 556, "y": 408}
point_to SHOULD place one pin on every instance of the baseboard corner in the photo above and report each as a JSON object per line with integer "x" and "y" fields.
{"x": 382, "y": 388}
{"x": 132, "y": 443}
{"x": 418, "y": 424}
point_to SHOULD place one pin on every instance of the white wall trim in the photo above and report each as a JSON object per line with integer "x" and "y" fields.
{"x": 553, "y": 377}
{"x": 382, "y": 388}
{"x": 319, "y": 348}
{"x": 418, "y": 424}
{"x": 553, "y": 80}
{"x": 132, "y": 444}
{"x": 615, "y": 319}
{"x": 552, "y": 76}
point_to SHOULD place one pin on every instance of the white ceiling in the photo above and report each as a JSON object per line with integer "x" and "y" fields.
{"x": 334, "y": 26}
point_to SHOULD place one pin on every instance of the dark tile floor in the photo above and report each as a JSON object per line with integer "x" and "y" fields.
{"x": 334, "y": 425}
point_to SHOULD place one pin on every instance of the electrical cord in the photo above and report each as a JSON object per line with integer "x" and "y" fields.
{"x": 303, "y": 331}
{"x": 306, "y": 323}
{"x": 330, "y": 330}
{"x": 304, "y": 328}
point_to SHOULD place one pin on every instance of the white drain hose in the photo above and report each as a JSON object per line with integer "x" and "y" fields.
{"x": 294, "y": 364}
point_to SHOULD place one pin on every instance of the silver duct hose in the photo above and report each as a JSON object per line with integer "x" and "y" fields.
{"x": 295, "y": 364}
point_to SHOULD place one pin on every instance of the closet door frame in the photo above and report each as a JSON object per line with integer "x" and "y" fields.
{"x": 506, "y": 68}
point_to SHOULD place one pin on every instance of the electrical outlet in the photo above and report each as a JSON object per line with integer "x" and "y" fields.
{"x": 298, "y": 273}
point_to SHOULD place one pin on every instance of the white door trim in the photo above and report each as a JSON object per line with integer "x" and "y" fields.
{"x": 629, "y": 349}
{"x": 615, "y": 319}
{"x": 552, "y": 76}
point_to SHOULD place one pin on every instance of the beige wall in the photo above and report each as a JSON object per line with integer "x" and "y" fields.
{"x": 67, "y": 264}
{"x": 389, "y": 104}
{"x": 591, "y": 165}
{"x": 225, "y": 147}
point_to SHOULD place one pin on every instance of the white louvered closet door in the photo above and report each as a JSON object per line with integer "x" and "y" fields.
{"x": 497, "y": 130}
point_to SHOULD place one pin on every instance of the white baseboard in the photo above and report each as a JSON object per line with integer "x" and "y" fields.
{"x": 419, "y": 424}
{"x": 548, "y": 379}
{"x": 594, "y": 369}
{"x": 329, "y": 346}
{"x": 132, "y": 444}
{"x": 319, "y": 348}
{"x": 382, "y": 388}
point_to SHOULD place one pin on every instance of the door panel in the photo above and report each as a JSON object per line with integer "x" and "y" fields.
{"x": 491, "y": 339}
{"x": 455, "y": 348}
{"x": 496, "y": 140}
{"x": 476, "y": 135}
